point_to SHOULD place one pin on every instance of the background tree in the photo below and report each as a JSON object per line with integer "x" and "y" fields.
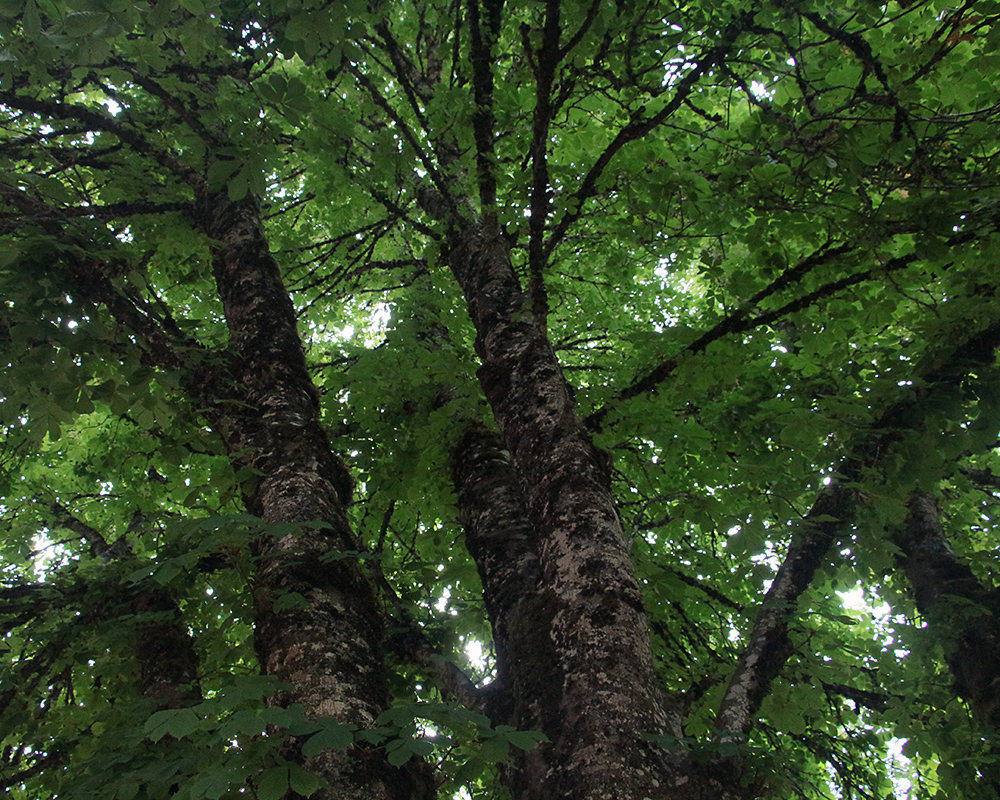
{"x": 566, "y": 399}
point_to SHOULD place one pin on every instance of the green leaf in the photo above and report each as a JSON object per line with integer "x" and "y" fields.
{"x": 219, "y": 172}
{"x": 399, "y": 751}
{"x": 470, "y": 770}
{"x": 212, "y": 787}
{"x": 299, "y": 26}
{"x": 244, "y": 723}
{"x": 273, "y": 782}
{"x": 289, "y": 600}
{"x": 332, "y": 736}
{"x": 177, "y": 723}
{"x": 238, "y": 186}
{"x": 526, "y": 740}
{"x": 32, "y": 21}
{"x": 303, "y": 781}
{"x": 85, "y": 23}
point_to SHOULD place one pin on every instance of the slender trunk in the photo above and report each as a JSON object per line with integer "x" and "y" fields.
{"x": 595, "y": 692}
{"x": 329, "y": 649}
{"x": 163, "y": 645}
{"x": 957, "y": 606}
{"x": 769, "y": 646}
{"x": 499, "y": 538}
{"x": 964, "y": 614}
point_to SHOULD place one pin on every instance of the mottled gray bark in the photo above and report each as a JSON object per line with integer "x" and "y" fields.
{"x": 770, "y": 646}
{"x": 590, "y": 678}
{"x": 330, "y": 649}
{"x": 499, "y": 538}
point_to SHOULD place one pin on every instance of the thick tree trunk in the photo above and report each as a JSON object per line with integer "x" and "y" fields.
{"x": 588, "y": 679}
{"x": 329, "y": 649}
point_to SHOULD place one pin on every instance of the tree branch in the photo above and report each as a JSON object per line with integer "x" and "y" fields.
{"x": 740, "y": 321}
{"x": 428, "y": 164}
{"x": 99, "y": 546}
{"x": 876, "y": 701}
{"x": 639, "y": 126}
{"x": 110, "y": 211}
{"x": 769, "y": 646}
{"x": 411, "y": 643}
{"x": 983, "y": 478}
{"x": 406, "y": 74}
{"x": 95, "y": 121}
{"x": 546, "y": 62}
{"x": 90, "y": 277}
{"x": 483, "y": 120}
{"x": 169, "y": 101}
{"x": 577, "y": 37}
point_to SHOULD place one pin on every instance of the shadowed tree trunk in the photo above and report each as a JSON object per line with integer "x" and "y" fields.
{"x": 163, "y": 645}
{"x": 500, "y": 540}
{"x": 957, "y": 607}
{"x": 769, "y": 645}
{"x": 963, "y": 614}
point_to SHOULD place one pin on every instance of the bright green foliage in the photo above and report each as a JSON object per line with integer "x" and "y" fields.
{"x": 870, "y": 158}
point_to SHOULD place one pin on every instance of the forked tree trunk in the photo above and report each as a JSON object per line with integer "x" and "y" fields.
{"x": 329, "y": 649}
{"x": 586, "y": 675}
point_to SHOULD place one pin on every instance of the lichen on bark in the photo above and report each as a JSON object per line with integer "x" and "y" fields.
{"x": 329, "y": 650}
{"x": 582, "y": 672}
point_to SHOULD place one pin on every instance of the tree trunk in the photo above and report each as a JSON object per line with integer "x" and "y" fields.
{"x": 500, "y": 540}
{"x": 957, "y": 606}
{"x": 587, "y": 676}
{"x": 329, "y": 647}
{"x": 163, "y": 644}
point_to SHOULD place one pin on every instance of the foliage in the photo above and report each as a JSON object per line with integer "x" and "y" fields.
{"x": 757, "y": 230}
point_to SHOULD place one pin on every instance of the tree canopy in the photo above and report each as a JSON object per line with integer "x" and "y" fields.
{"x": 475, "y": 399}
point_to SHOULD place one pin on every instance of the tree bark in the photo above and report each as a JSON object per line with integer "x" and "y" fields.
{"x": 769, "y": 646}
{"x": 329, "y": 649}
{"x": 957, "y": 606}
{"x": 500, "y": 540}
{"x": 589, "y": 677}
{"x": 163, "y": 645}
